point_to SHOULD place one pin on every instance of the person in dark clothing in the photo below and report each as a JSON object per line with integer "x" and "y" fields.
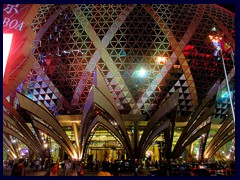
{"x": 18, "y": 168}
{"x": 79, "y": 169}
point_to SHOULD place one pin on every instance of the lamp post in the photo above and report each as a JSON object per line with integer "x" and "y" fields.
{"x": 217, "y": 39}
{"x": 228, "y": 88}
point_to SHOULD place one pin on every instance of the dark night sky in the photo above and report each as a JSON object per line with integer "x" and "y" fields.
{"x": 230, "y": 7}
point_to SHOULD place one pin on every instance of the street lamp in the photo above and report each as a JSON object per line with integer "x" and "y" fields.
{"x": 216, "y": 41}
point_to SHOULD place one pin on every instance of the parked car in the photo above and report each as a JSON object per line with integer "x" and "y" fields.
{"x": 185, "y": 170}
{"x": 216, "y": 169}
{"x": 125, "y": 166}
{"x": 157, "y": 172}
{"x": 180, "y": 170}
{"x": 201, "y": 172}
{"x": 172, "y": 170}
{"x": 128, "y": 166}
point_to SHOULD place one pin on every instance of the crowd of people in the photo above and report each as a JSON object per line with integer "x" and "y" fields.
{"x": 102, "y": 168}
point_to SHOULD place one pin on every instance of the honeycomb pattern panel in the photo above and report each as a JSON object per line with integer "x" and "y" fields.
{"x": 177, "y": 17}
{"x": 121, "y": 40}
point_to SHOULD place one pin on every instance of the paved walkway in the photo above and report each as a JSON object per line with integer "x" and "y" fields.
{"x": 33, "y": 172}
{"x": 28, "y": 172}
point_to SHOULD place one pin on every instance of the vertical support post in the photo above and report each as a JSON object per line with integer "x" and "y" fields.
{"x": 135, "y": 139}
{"x": 76, "y": 135}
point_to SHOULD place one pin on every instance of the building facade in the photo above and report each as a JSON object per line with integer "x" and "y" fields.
{"x": 117, "y": 81}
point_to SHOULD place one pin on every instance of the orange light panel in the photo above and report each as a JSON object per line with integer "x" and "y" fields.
{"x": 161, "y": 60}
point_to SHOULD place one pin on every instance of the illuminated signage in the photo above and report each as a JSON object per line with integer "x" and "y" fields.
{"x": 17, "y": 62}
{"x": 10, "y": 22}
{"x": 7, "y": 41}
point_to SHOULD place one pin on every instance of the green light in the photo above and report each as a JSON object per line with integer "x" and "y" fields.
{"x": 142, "y": 72}
{"x": 225, "y": 95}
{"x": 214, "y": 29}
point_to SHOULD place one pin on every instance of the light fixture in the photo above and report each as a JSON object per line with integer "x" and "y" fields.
{"x": 160, "y": 60}
{"x": 142, "y": 72}
{"x": 7, "y": 41}
{"x": 218, "y": 52}
{"x": 13, "y": 141}
{"x": 176, "y": 66}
